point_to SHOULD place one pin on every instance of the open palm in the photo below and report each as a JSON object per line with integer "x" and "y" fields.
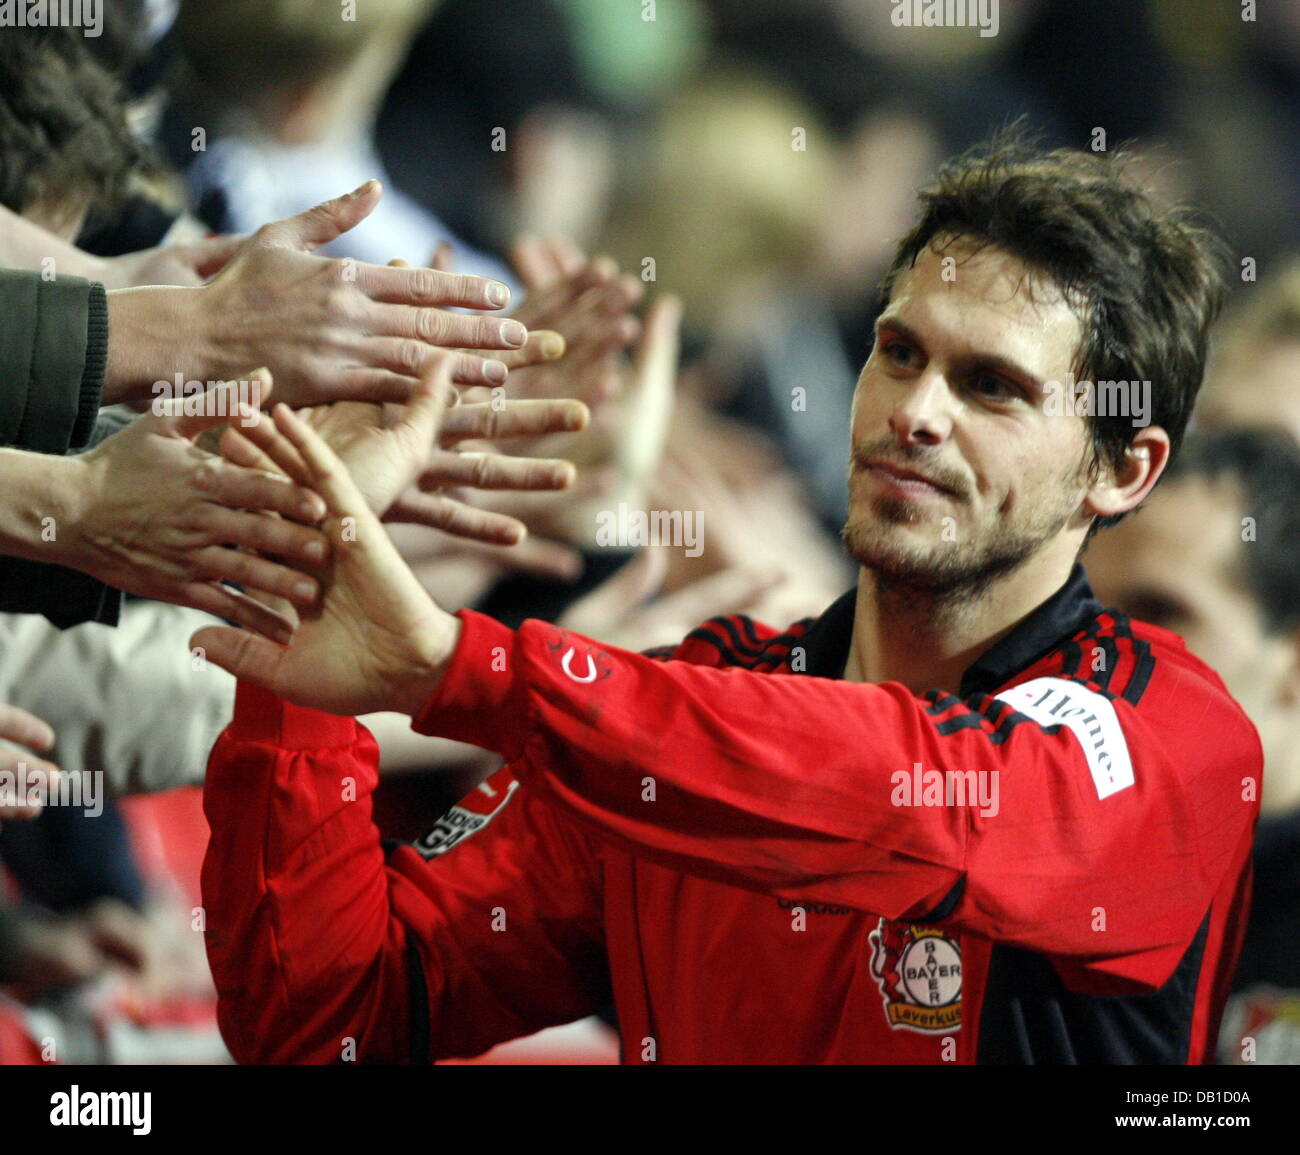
{"x": 415, "y": 472}
{"x": 375, "y": 628}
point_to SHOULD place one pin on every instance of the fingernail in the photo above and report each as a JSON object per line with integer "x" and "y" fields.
{"x": 495, "y": 371}
{"x": 309, "y": 510}
{"x": 513, "y": 333}
{"x": 304, "y": 591}
{"x": 315, "y": 550}
{"x": 498, "y": 294}
{"x": 552, "y": 346}
{"x": 361, "y": 190}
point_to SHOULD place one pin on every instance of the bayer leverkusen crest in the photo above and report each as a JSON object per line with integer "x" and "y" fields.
{"x": 919, "y": 972}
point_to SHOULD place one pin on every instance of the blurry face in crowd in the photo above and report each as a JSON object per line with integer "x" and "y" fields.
{"x": 953, "y": 392}
{"x": 1179, "y": 563}
{"x": 1260, "y": 386}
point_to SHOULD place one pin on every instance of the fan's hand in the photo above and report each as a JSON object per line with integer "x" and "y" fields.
{"x": 412, "y": 472}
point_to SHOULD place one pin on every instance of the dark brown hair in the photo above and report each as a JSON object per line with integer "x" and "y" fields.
{"x": 1147, "y": 280}
{"x": 63, "y": 130}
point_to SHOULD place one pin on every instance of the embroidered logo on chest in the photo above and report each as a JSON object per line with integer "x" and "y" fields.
{"x": 918, "y": 969}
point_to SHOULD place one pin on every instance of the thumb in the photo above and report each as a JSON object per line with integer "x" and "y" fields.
{"x": 224, "y": 402}
{"x": 656, "y": 356}
{"x": 243, "y": 653}
{"x": 444, "y": 258}
{"x": 327, "y": 221}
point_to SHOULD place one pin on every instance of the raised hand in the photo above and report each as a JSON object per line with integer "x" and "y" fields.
{"x": 625, "y": 611}
{"x": 589, "y": 304}
{"x": 153, "y": 514}
{"x": 185, "y": 263}
{"x": 619, "y": 454}
{"x": 410, "y": 472}
{"x": 542, "y": 346}
{"x": 329, "y": 329}
{"x": 376, "y": 641}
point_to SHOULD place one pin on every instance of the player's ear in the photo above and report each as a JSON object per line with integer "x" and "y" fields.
{"x": 1117, "y": 489}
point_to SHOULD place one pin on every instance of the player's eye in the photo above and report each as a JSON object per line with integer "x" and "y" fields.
{"x": 898, "y": 352}
{"x": 991, "y": 388}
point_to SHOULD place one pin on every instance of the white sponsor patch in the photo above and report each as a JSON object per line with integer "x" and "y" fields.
{"x": 1092, "y": 718}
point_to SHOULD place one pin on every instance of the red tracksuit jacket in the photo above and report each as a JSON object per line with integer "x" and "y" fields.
{"x": 758, "y": 861}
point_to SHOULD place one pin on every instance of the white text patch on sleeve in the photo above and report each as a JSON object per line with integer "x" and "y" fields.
{"x": 1092, "y": 718}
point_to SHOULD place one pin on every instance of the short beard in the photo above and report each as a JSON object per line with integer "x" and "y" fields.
{"x": 911, "y": 579}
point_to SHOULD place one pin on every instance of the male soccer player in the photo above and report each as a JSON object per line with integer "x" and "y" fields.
{"x": 966, "y": 815}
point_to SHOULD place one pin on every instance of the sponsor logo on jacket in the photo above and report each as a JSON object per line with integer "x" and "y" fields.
{"x": 469, "y": 815}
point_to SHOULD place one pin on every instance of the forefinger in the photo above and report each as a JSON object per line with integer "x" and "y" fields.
{"x": 262, "y": 446}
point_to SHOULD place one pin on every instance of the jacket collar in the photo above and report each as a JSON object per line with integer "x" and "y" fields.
{"x": 1073, "y": 606}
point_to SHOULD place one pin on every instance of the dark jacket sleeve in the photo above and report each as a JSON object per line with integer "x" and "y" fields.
{"x": 53, "y": 355}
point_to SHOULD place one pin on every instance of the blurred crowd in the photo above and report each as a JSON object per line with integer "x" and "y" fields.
{"x": 691, "y": 204}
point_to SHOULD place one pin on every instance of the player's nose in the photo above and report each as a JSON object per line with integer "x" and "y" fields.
{"x": 922, "y": 413}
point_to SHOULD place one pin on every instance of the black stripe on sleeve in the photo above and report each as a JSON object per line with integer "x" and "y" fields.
{"x": 739, "y": 644}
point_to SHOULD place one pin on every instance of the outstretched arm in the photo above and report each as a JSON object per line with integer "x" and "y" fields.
{"x": 796, "y": 785}
{"x": 149, "y": 512}
{"x": 328, "y": 329}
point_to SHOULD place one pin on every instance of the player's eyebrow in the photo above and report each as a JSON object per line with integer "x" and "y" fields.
{"x": 973, "y": 361}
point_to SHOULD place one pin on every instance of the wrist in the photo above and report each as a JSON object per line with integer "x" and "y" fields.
{"x": 45, "y": 496}
{"x": 153, "y": 335}
{"x": 416, "y": 679}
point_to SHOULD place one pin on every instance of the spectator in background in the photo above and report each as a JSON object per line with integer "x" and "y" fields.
{"x": 1254, "y": 377}
{"x": 1213, "y": 557}
{"x": 492, "y": 122}
{"x": 734, "y": 174}
{"x": 68, "y": 163}
{"x": 281, "y": 99}
{"x": 65, "y": 148}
